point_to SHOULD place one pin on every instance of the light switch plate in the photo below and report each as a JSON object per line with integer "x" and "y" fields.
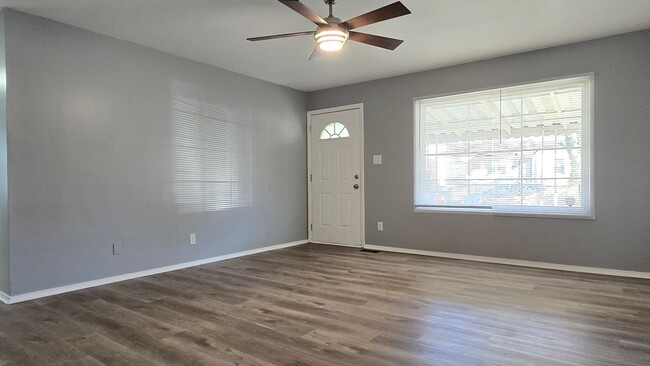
{"x": 376, "y": 159}
{"x": 117, "y": 248}
{"x": 380, "y": 226}
{"x": 192, "y": 239}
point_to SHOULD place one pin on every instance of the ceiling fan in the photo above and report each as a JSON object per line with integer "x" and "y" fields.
{"x": 331, "y": 33}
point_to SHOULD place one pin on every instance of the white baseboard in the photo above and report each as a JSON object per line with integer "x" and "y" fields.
{"x": 4, "y": 297}
{"x": 515, "y": 262}
{"x": 103, "y": 281}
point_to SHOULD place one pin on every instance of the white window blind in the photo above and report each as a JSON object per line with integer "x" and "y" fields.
{"x": 516, "y": 150}
{"x": 212, "y": 159}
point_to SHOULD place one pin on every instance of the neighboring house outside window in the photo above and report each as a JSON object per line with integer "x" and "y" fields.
{"x": 522, "y": 150}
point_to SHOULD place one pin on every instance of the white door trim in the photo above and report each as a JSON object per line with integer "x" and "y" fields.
{"x": 358, "y": 106}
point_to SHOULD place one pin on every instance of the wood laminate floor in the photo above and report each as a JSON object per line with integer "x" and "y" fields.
{"x": 324, "y": 305}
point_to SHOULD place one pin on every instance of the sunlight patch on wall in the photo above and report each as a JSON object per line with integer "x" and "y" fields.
{"x": 212, "y": 153}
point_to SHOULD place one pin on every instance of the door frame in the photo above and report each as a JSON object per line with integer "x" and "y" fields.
{"x": 358, "y": 106}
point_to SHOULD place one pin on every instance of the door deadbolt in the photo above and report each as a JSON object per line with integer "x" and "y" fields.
{"x": 356, "y": 176}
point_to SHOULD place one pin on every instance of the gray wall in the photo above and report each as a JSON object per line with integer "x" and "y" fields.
{"x": 111, "y": 141}
{"x": 619, "y": 237}
{"x": 4, "y": 234}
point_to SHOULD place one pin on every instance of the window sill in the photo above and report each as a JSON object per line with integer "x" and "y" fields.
{"x": 488, "y": 212}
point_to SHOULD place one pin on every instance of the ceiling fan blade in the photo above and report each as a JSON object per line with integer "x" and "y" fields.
{"x": 394, "y": 10}
{"x": 303, "y": 10}
{"x": 318, "y": 53}
{"x": 373, "y": 40}
{"x": 284, "y": 35}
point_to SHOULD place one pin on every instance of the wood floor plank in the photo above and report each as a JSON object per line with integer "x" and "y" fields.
{"x": 86, "y": 361}
{"x": 326, "y": 305}
{"x": 108, "y": 352}
{"x": 12, "y": 352}
{"x": 38, "y": 340}
{"x": 216, "y": 352}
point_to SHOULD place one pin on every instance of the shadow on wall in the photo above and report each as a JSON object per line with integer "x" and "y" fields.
{"x": 211, "y": 153}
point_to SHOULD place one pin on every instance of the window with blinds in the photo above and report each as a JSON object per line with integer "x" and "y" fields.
{"x": 517, "y": 150}
{"x": 212, "y": 161}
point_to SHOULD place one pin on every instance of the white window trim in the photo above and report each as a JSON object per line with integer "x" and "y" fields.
{"x": 591, "y": 215}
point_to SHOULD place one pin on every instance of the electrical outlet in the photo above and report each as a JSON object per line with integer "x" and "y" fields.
{"x": 192, "y": 239}
{"x": 380, "y": 226}
{"x": 117, "y": 248}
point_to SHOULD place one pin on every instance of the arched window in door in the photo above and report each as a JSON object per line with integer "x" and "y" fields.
{"x": 334, "y": 130}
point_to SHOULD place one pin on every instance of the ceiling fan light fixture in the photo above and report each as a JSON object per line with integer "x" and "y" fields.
{"x": 331, "y": 39}
{"x": 331, "y": 33}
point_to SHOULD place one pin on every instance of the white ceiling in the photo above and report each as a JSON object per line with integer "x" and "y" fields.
{"x": 438, "y": 33}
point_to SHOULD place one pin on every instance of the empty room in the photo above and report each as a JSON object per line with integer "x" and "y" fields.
{"x": 324, "y": 182}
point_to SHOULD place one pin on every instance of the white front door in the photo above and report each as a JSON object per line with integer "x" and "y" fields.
{"x": 336, "y": 177}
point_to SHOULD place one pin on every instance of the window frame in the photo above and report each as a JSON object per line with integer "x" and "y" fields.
{"x": 537, "y": 212}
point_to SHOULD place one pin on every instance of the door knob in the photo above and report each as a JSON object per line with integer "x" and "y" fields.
{"x": 356, "y": 186}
